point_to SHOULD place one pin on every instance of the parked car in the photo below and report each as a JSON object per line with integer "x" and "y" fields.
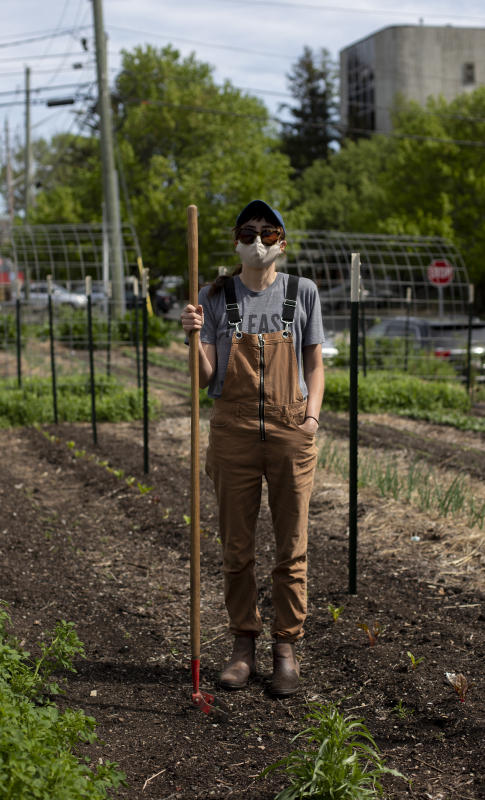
{"x": 447, "y": 338}
{"x": 329, "y": 350}
{"x": 162, "y": 300}
{"x": 337, "y": 297}
{"x": 98, "y": 293}
{"x": 38, "y": 296}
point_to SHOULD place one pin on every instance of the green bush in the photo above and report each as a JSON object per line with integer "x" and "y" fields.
{"x": 32, "y": 403}
{"x": 8, "y": 331}
{"x": 159, "y": 333}
{"x": 394, "y": 392}
{"x": 37, "y": 761}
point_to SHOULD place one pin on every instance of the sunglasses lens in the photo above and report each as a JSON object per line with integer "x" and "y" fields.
{"x": 270, "y": 237}
{"x": 247, "y": 236}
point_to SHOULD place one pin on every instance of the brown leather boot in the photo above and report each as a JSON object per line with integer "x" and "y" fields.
{"x": 241, "y": 665}
{"x": 286, "y": 670}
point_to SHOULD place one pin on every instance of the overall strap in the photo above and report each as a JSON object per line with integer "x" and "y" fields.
{"x": 232, "y": 308}
{"x": 289, "y": 303}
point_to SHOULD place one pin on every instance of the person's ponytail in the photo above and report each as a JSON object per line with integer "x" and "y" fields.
{"x": 217, "y": 285}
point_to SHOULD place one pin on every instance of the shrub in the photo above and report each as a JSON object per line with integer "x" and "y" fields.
{"x": 159, "y": 333}
{"x": 33, "y": 401}
{"x": 394, "y": 392}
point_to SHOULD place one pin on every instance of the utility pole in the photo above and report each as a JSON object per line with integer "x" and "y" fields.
{"x": 28, "y": 148}
{"x": 110, "y": 189}
{"x": 8, "y": 169}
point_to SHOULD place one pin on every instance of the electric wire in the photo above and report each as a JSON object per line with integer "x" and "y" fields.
{"x": 350, "y": 10}
{"x": 19, "y": 42}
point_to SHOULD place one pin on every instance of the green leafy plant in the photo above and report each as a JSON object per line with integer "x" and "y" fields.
{"x": 335, "y": 611}
{"x": 37, "y": 740}
{"x": 402, "y": 711}
{"x": 143, "y": 489}
{"x": 373, "y": 632}
{"x": 414, "y": 661}
{"x": 340, "y": 762}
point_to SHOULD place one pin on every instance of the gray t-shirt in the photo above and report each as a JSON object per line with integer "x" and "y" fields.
{"x": 261, "y": 313}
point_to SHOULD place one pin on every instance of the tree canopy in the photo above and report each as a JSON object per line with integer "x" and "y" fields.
{"x": 426, "y": 178}
{"x": 313, "y": 130}
{"x": 181, "y": 139}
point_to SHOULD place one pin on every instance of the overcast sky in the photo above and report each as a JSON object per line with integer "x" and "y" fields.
{"x": 252, "y": 43}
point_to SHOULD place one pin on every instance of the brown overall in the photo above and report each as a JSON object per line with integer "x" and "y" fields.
{"x": 254, "y": 432}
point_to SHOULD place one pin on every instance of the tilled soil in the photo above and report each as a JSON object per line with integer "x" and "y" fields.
{"x": 77, "y": 542}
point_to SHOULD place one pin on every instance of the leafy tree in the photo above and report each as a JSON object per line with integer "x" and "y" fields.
{"x": 183, "y": 139}
{"x": 313, "y": 84}
{"x": 68, "y": 180}
{"x": 426, "y": 179}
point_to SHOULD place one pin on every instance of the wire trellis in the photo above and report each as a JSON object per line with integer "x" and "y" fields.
{"x": 389, "y": 265}
{"x": 67, "y": 252}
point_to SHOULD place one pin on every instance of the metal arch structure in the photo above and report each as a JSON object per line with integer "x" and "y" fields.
{"x": 389, "y": 265}
{"x": 67, "y": 252}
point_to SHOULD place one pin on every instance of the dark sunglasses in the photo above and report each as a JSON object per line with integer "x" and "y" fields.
{"x": 268, "y": 237}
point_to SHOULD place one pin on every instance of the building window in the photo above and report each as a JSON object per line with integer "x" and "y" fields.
{"x": 468, "y": 76}
{"x": 361, "y": 98}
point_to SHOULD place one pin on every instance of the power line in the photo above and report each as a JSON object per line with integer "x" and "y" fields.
{"x": 68, "y": 53}
{"x": 49, "y": 88}
{"x": 38, "y": 56}
{"x": 66, "y": 32}
{"x": 203, "y": 44}
{"x": 350, "y": 10}
{"x": 58, "y": 26}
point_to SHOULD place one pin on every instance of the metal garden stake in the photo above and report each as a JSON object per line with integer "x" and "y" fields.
{"x": 362, "y": 327}
{"x": 406, "y": 327}
{"x": 91, "y": 358}
{"x": 144, "y": 294}
{"x": 353, "y": 419}
{"x": 108, "y": 342}
{"x": 51, "y": 337}
{"x": 137, "y": 331}
{"x": 471, "y": 298}
{"x": 18, "y": 320}
{"x": 203, "y": 700}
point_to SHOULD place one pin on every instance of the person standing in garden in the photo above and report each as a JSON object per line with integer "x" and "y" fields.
{"x": 260, "y": 355}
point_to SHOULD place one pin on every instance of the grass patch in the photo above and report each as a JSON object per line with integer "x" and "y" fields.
{"x": 32, "y": 403}
{"x": 417, "y": 484}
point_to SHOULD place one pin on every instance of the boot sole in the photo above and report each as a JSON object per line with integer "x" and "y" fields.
{"x": 283, "y": 692}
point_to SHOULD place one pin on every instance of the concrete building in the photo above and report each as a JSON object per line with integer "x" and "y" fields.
{"x": 414, "y": 60}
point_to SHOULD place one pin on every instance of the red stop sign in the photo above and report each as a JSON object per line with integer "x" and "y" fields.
{"x": 440, "y": 272}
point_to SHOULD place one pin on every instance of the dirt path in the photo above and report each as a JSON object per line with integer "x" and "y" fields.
{"x": 78, "y": 543}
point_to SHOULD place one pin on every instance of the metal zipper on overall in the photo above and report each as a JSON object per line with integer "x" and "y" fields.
{"x": 261, "y": 385}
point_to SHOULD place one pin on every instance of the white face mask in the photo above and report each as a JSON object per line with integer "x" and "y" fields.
{"x": 257, "y": 254}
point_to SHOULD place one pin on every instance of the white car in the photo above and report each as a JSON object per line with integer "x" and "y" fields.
{"x": 38, "y": 296}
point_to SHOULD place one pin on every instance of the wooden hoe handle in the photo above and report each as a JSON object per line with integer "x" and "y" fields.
{"x": 193, "y": 248}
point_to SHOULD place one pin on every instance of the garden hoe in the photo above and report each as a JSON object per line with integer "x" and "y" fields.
{"x": 205, "y": 701}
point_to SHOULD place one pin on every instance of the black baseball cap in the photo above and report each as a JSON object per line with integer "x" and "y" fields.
{"x": 258, "y": 208}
